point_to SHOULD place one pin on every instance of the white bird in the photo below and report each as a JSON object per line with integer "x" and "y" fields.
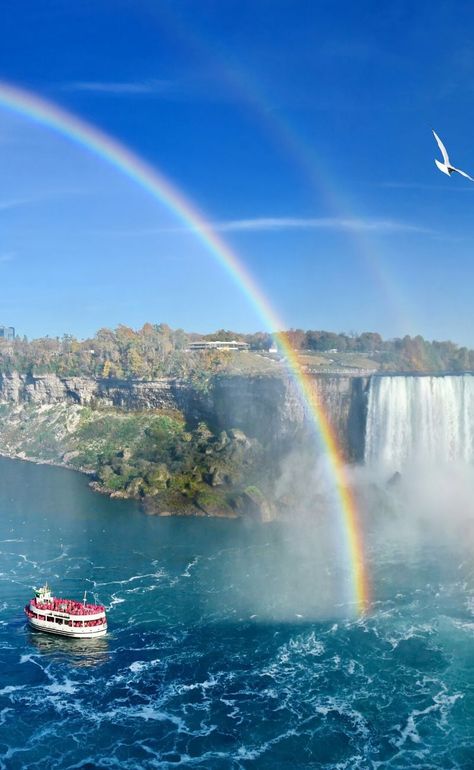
{"x": 446, "y": 167}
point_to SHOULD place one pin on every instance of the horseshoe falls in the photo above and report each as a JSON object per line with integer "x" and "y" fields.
{"x": 425, "y": 420}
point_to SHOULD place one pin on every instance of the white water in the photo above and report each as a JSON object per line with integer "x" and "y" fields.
{"x": 426, "y": 420}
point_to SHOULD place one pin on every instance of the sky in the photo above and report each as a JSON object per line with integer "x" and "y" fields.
{"x": 300, "y": 129}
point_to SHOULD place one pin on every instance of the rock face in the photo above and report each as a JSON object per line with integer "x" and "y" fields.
{"x": 272, "y": 409}
{"x": 51, "y": 389}
{"x": 269, "y": 408}
{"x": 345, "y": 402}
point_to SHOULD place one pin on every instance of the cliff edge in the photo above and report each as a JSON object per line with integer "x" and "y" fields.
{"x": 179, "y": 448}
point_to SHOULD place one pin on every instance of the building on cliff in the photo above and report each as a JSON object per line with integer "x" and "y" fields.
{"x": 218, "y": 345}
{"x": 7, "y": 332}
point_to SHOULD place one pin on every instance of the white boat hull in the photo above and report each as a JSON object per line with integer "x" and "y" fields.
{"x": 74, "y": 633}
{"x": 65, "y": 617}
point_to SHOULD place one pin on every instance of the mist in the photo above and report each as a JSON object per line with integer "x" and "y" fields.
{"x": 297, "y": 567}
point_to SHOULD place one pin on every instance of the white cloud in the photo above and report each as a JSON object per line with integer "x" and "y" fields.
{"x": 119, "y": 88}
{"x": 280, "y": 224}
{"x": 262, "y": 224}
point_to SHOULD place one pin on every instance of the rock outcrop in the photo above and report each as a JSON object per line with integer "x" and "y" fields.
{"x": 269, "y": 408}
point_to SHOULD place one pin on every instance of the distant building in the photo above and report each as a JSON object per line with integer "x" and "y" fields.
{"x": 218, "y": 345}
{"x": 7, "y": 332}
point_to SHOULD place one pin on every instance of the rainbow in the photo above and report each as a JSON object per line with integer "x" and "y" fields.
{"x": 244, "y": 84}
{"x": 156, "y": 184}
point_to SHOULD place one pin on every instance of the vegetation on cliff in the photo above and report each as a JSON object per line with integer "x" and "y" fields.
{"x": 151, "y": 456}
{"x": 406, "y": 354}
{"x": 157, "y": 459}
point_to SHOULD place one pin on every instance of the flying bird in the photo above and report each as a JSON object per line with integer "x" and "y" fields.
{"x": 446, "y": 167}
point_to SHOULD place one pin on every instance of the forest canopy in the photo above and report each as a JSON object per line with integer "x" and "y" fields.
{"x": 156, "y": 351}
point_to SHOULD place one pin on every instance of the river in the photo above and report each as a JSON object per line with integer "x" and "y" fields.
{"x": 228, "y": 646}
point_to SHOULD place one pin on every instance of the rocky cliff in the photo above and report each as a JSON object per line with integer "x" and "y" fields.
{"x": 268, "y": 408}
{"x": 51, "y": 389}
{"x": 221, "y": 449}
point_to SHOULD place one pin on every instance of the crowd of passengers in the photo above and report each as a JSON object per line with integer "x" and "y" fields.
{"x": 75, "y": 623}
{"x": 68, "y": 605}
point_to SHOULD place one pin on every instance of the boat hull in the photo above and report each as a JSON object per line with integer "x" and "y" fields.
{"x": 72, "y": 633}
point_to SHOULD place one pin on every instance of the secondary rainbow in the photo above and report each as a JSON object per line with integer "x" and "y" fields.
{"x": 242, "y": 82}
{"x": 150, "y": 179}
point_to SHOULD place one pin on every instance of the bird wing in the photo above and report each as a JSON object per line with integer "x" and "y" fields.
{"x": 463, "y": 173}
{"x": 441, "y": 146}
{"x": 442, "y": 167}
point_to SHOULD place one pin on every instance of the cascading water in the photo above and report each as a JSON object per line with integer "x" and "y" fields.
{"x": 420, "y": 419}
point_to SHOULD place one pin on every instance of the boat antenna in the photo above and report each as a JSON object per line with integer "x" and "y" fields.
{"x": 84, "y": 599}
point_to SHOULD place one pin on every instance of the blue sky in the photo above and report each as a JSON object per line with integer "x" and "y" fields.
{"x": 301, "y": 129}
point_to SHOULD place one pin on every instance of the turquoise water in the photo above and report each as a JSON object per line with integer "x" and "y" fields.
{"x": 229, "y": 645}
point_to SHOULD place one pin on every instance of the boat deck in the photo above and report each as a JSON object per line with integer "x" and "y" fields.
{"x": 68, "y": 605}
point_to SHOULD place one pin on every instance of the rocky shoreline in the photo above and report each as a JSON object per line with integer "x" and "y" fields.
{"x": 149, "y": 457}
{"x": 146, "y": 505}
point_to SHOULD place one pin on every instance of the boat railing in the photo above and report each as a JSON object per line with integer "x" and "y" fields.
{"x": 67, "y": 606}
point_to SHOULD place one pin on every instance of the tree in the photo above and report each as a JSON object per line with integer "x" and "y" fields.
{"x": 369, "y": 342}
{"x": 296, "y": 338}
{"x": 135, "y": 364}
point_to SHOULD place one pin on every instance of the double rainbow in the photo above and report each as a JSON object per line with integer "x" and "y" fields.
{"x": 147, "y": 177}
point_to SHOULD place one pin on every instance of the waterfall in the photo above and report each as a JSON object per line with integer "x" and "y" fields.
{"x": 420, "y": 419}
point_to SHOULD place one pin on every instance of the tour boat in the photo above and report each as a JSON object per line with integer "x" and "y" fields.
{"x": 65, "y": 617}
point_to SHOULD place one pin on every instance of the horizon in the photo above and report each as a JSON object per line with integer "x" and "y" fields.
{"x": 343, "y": 333}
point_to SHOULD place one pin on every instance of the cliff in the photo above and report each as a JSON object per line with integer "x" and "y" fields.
{"x": 181, "y": 448}
{"x": 268, "y": 408}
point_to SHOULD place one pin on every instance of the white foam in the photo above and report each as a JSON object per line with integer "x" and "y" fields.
{"x": 442, "y": 703}
{"x": 147, "y": 713}
{"x": 114, "y": 601}
{"x": 343, "y": 708}
{"x": 189, "y": 566}
{"x": 11, "y": 688}
{"x": 3, "y": 715}
{"x": 13, "y": 540}
{"x": 66, "y": 687}
{"x": 142, "y": 665}
{"x": 208, "y": 683}
{"x": 249, "y": 753}
{"x": 28, "y": 659}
